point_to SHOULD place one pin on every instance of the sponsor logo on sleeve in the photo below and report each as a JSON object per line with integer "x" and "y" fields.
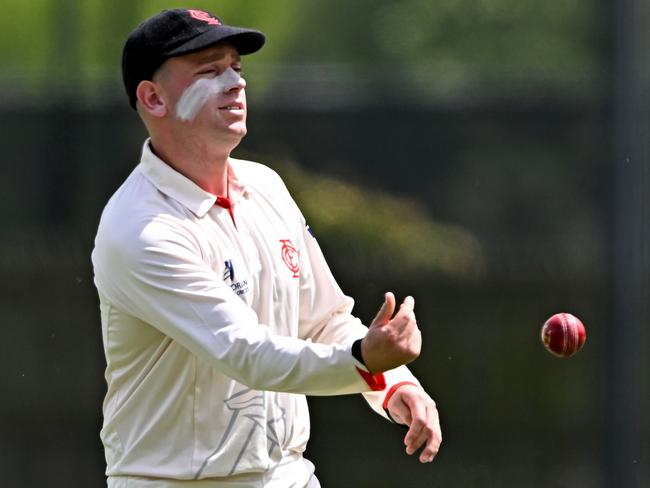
{"x": 238, "y": 286}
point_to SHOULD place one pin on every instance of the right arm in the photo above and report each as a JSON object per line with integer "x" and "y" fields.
{"x": 154, "y": 271}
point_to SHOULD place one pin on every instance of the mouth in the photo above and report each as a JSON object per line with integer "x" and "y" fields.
{"x": 232, "y": 107}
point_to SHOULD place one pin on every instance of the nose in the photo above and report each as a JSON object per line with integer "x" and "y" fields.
{"x": 235, "y": 81}
{"x": 240, "y": 85}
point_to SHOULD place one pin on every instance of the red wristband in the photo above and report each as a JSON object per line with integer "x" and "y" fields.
{"x": 393, "y": 389}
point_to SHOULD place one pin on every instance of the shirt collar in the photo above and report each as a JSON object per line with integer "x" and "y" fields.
{"x": 182, "y": 189}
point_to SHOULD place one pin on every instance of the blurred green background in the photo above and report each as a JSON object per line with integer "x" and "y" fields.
{"x": 490, "y": 157}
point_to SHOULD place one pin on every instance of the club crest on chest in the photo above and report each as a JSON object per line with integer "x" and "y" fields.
{"x": 290, "y": 257}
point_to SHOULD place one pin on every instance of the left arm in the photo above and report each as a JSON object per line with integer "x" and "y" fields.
{"x": 325, "y": 316}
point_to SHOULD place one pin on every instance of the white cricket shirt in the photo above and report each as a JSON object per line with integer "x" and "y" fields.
{"x": 214, "y": 330}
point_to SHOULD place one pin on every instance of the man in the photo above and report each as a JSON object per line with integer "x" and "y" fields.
{"x": 219, "y": 313}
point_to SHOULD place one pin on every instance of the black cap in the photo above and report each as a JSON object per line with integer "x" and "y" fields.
{"x": 174, "y": 32}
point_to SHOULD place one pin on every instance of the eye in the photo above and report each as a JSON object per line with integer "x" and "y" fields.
{"x": 208, "y": 72}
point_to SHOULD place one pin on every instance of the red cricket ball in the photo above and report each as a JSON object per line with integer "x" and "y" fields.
{"x": 563, "y": 335}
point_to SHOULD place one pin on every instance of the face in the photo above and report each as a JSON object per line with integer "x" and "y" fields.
{"x": 205, "y": 91}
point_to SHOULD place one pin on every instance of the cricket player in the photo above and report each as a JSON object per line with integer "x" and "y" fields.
{"x": 219, "y": 313}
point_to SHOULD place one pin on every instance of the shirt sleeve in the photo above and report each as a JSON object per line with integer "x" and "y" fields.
{"x": 151, "y": 267}
{"x": 325, "y": 317}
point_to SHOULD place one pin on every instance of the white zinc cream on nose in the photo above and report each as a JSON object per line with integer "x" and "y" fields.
{"x": 198, "y": 93}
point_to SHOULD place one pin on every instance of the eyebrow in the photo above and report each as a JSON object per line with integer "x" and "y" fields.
{"x": 216, "y": 55}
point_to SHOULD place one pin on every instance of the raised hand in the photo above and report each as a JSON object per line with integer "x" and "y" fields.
{"x": 392, "y": 342}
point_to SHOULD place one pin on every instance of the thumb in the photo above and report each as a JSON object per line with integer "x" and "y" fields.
{"x": 386, "y": 311}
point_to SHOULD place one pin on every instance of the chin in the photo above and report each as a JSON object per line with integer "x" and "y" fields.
{"x": 234, "y": 135}
{"x": 241, "y": 131}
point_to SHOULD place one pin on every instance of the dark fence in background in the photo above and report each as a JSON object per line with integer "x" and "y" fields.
{"x": 531, "y": 182}
{"x": 553, "y": 185}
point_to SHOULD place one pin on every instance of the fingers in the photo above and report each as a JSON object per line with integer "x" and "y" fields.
{"x": 386, "y": 311}
{"x": 408, "y": 304}
{"x": 424, "y": 430}
{"x": 416, "y": 434}
{"x": 431, "y": 436}
{"x": 405, "y": 317}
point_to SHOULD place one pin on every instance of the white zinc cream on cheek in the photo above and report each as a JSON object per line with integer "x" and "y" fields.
{"x": 199, "y": 92}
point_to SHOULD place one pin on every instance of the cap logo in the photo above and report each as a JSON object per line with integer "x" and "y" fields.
{"x": 204, "y": 17}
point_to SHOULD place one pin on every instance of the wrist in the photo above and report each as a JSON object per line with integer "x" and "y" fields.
{"x": 391, "y": 391}
{"x": 375, "y": 381}
{"x": 356, "y": 352}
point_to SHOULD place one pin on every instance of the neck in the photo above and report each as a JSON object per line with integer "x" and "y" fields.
{"x": 204, "y": 164}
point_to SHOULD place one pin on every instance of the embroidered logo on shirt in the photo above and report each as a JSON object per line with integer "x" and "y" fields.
{"x": 239, "y": 287}
{"x": 290, "y": 257}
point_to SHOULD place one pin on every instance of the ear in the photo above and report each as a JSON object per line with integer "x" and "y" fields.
{"x": 150, "y": 98}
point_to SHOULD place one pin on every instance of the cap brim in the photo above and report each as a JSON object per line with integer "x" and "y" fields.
{"x": 246, "y": 41}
